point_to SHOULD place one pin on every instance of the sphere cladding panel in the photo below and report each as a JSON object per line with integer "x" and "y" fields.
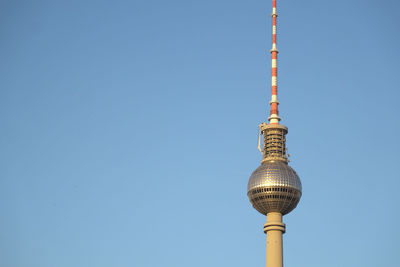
{"x": 274, "y": 187}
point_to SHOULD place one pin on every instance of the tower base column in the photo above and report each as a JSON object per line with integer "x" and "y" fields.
{"x": 274, "y": 228}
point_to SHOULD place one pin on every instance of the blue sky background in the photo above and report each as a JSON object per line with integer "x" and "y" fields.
{"x": 129, "y": 130}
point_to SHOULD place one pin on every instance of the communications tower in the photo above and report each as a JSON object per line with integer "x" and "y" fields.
{"x": 274, "y": 188}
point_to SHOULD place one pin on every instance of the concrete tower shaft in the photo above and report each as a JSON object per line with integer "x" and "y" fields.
{"x": 274, "y": 229}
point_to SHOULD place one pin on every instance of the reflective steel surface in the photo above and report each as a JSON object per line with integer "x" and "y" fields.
{"x": 274, "y": 187}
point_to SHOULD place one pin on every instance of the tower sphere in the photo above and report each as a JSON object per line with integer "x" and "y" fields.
{"x": 274, "y": 187}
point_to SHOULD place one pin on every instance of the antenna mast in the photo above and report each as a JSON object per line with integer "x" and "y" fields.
{"x": 274, "y": 145}
{"x": 274, "y": 115}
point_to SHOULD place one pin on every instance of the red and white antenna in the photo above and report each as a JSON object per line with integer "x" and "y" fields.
{"x": 274, "y": 115}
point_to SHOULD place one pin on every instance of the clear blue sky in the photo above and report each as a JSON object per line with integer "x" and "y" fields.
{"x": 129, "y": 131}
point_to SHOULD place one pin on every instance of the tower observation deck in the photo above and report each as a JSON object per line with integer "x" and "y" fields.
{"x": 274, "y": 188}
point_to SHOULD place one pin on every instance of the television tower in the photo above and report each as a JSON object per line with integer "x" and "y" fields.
{"x": 274, "y": 188}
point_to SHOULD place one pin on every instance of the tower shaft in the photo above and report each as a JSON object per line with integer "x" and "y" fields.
{"x": 274, "y": 228}
{"x": 274, "y": 114}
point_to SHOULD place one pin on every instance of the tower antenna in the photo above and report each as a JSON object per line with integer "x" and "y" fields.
{"x": 274, "y": 114}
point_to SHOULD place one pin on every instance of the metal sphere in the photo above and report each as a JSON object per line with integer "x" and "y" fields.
{"x": 274, "y": 187}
